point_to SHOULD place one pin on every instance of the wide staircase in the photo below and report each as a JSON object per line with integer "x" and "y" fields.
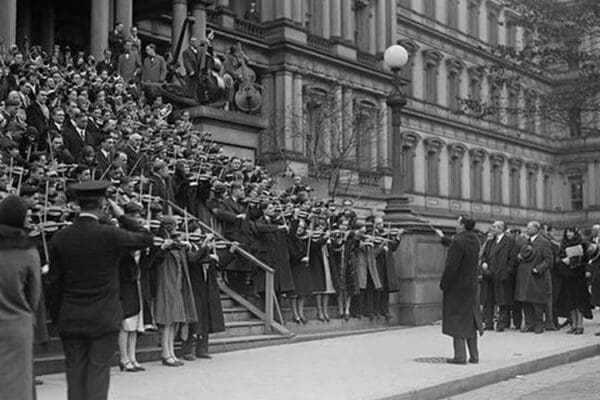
{"x": 249, "y": 323}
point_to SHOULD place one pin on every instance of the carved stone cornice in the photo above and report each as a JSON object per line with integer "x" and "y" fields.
{"x": 497, "y": 159}
{"x": 548, "y": 170}
{"x": 455, "y": 66}
{"x": 532, "y": 166}
{"x": 410, "y": 45}
{"x": 478, "y": 155}
{"x": 432, "y": 57}
{"x": 410, "y": 139}
{"x": 515, "y": 163}
{"x": 476, "y": 73}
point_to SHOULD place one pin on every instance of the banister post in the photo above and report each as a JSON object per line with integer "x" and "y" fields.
{"x": 269, "y": 293}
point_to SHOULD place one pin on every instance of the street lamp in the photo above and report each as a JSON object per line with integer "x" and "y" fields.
{"x": 396, "y": 57}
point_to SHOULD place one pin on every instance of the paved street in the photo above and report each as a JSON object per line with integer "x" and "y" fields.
{"x": 580, "y": 381}
{"x": 372, "y": 366}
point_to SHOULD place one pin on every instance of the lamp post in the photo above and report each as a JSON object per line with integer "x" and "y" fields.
{"x": 395, "y": 58}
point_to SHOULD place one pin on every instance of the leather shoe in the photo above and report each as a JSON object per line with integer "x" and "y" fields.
{"x": 499, "y": 329}
{"x": 550, "y": 327}
{"x": 597, "y": 334}
{"x": 474, "y": 360}
{"x": 456, "y": 361}
{"x": 538, "y": 329}
{"x": 204, "y": 355}
{"x": 526, "y": 329}
{"x": 189, "y": 357}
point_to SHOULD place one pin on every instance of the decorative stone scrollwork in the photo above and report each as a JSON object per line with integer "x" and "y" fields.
{"x": 432, "y": 57}
{"x": 548, "y": 169}
{"x": 477, "y": 155}
{"x": 532, "y": 167}
{"x": 455, "y": 66}
{"x": 515, "y": 163}
{"x": 456, "y": 150}
{"x": 497, "y": 159}
{"x": 410, "y": 139}
{"x": 433, "y": 145}
{"x": 410, "y": 45}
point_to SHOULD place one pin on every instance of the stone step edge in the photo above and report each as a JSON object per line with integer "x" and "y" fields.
{"x": 462, "y": 385}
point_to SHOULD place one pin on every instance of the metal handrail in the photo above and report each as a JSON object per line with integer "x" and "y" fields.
{"x": 270, "y": 300}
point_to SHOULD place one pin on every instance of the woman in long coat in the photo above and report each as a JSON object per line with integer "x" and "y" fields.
{"x": 320, "y": 272}
{"x": 173, "y": 300}
{"x": 531, "y": 287}
{"x": 20, "y": 288}
{"x": 574, "y": 296}
{"x": 297, "y": 245}
{"x": 203, "y": 275}
{"x": 342, "y": 257}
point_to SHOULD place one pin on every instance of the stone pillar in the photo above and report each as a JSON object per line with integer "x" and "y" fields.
{"x": 100, "y": 26}
{"x": 8, "y": 21}
{"x": 417, "y": 75}
{"x": 419, "y": 170}
{"x": 382, "y": 158}
{"x": 483, "y": 33}
{"x": 326, "y": 19}
{"x": 505, "y": 183}
{"x": 442, "y": 84}
{"x": 266, "y": 10}
{"x": 24, "y": 12}
{"x": 298, "y": 12}
{"x": 392, "y": 20}
{"x": 372, "y": 30}
{"x": 199, "y": 14}
{"x": 124, "y": 13}
{"x": 523, "y": 201}
{"x": 380, "y": 20}
{"x": 298, "y": 118}
{"x": 283, "y": 109}
{"x": 336, "y": 18}
{"x": 48, "y": 27}
{"x": 540, "y": 189}
{"x": 348, "y": 121}
{"x": 462, "y": 15}
{"x": 179, "y": 14}
{"x": 283, "y": 9}
{"x": 347, "y": 21}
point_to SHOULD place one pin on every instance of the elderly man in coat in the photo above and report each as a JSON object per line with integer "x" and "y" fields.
{"x": 500, "y": 257}
{"x": 460, "y": 312}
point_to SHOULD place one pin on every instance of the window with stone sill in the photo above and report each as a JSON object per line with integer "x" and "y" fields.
{"x": 452, "y": 14}
{"x": 433, "y": 168}
{"x": 405, "y": 3}
{"x": 547, "y": 190}
{"x": 429, "y": 8}
{"x": 477, "y": 180}
{"x": 408, "y": 155}
{"x": 456, "y": 176}
{"x": 473, "y": 18}
{"x": 363, "y": 14}
{"x": 515, "y": 187}
{"x": 532, "y": 189}
{"x": 512, "y": 113}
{"x": 453, "y": 90}
{"x": 496, "y": 184}
{"x": 576, "y": 193}
{"x": 492, "y": 25}
{"x": 511, "y": 33}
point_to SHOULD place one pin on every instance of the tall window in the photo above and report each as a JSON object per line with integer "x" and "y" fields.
{"x": 315, "y": 143}
{"x": 365, "y": 129}
{"x": 408, "y": 154}
{"x": 530, "y": 112}
{"x": 456, "y": 159}
{"x": 511, "y": 33}
{"x": 407, "y": 71}
{"x": 576, "y": 192}
{"x": 477, "y": 176}
{"x": 429, "y": 8}
{"x": 363, "y": 15}
{"x": 496, "y": 102}
{"x": 452, "y": 13}
{"x": 475, "y": 77}
{"x": 532, "y": 174}
{"x": 405, "y": 3}
{"x": 492, "y": 25}
{"x": 496, "y": 179}
{"x": 515, "y": 182}
{"x": 455, "y": 67}
{"x": 473, "y": 18}
{"x": 527, "y": 38}
{"x": 433, "y": 147}
{"x": 548, "y": 190}
{"x": 432, "y": 61}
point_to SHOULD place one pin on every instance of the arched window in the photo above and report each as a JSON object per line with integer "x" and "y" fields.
{"x": 456, "y": 153}
{"x": 515, "y": 165}
{"x": 477, "y": 158}
{"x": 497, "y": 163}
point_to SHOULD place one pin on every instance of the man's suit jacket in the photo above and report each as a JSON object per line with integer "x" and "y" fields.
{"x": 544, "y": 257}
{"x": 233, "y": 228}
{"x": 106, "y": 65}
{"x": 128, "y": 66}
{"x": 163, "y": 189}
{"x": 132, "y": 158}
{"x": 154, "y": 69}
{"x": 103, "y": 161}
{"x": 73, "y": 141}
{"x": 83, "y": 293}
{"x": 501, "y": 257}
{"x": 191, "y": 61}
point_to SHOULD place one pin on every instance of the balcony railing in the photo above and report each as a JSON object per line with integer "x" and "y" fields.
{"x": 319, "y": 43}
{"x": 249, "y": 28}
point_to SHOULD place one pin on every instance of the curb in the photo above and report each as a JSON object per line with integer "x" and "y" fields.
{"x": 462, "y": 385}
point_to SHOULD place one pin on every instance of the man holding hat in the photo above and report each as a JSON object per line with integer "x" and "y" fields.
{"x": 83, "y": 294}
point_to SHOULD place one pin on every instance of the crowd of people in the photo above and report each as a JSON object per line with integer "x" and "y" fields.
{"x": 68, "y": 122}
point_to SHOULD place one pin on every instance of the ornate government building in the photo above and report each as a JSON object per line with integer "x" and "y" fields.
{"x": 324, "y": 86}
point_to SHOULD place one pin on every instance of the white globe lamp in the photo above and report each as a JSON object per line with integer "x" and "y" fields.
{"x": 395, "y": 57}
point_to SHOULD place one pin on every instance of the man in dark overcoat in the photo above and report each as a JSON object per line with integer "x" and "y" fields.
{"x": 500, "y": 258}
{"x": 386, "y": 266}
{"x": 542, "y": 264}
{"x": 460, "y": 312}
{"x": 83, "y": 293}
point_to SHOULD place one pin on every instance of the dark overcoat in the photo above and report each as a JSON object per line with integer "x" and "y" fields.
{"x": 460, "y": 311}
{"x": 129, "y": 275}
{"x": 386, "y": 266}
{"x": 300, "y": 269}
{"x": 203, "y": 275}
{"x": 83, "y": 292}
{"x": 271, "y": 248}
{"x": 530, "y": 288}
{"x": 502, "y": 262}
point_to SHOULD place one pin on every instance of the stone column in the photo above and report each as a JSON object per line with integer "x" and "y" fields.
{"x": 8, "y": 21}
{"x": 336, "y": 18}
{"x": 382, "y": 158}
{"x": 347, "y": 21}
{"x": 48, "y": 27}
{"x": 483, "y": 33}
{"x": 417, "y": 75}
{"x": 124, "y": 13}
{"x": 179, "y": 13}
{"x": 100, "y": 26}
{"x": 419, "y": 171}
{"x": 380, "y": 20}
{"x": 462, "y": 15}
{"x": 442, "y": 84}
{"x": 486, "y": 180}
{"x": 266, "y": 10}
{"x": 283, "y": 9}
{"x": 505, "y": 183}
{"x": 326, "y": 10}
{"x": 298, "y": 12}
{"x": 283, "y": 109}
{"x": 392, "y": 20}
{"x": 199, "y": 14}
{"x": 372, "y": 30}
{"x": 298, "y": 118}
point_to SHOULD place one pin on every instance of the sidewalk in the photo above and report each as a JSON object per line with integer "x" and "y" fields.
{"x": 395, "y": 364}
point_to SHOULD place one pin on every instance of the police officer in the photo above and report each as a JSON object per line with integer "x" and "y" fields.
{"x": 84, "y": 288}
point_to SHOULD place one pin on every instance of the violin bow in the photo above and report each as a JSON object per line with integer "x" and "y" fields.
{"x": 46, "y": 201}
{"x": 148, "y": 211}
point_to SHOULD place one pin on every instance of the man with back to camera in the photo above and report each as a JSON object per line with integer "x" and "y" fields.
{"x": 83, "y": 295}
{"x": 461, "y": 318}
